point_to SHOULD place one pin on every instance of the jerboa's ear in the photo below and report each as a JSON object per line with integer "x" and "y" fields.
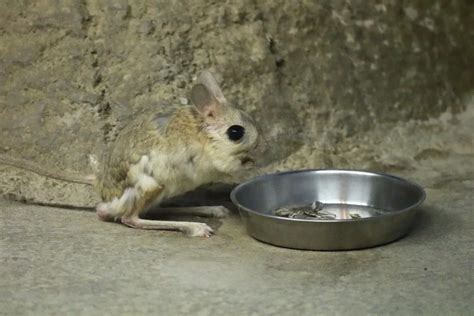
{"x": 207, "y": 96}
{"x": 207, "y": 79}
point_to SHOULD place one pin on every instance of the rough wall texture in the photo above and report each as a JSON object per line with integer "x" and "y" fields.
{"x": 331, "y": 83}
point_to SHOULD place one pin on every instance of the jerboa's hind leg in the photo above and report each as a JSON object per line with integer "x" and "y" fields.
{"x": 134, "y": 200}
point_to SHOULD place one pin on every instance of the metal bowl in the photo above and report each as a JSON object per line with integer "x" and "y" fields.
{"x": 386, "y": 205}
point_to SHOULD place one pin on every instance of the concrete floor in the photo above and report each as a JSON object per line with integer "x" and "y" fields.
{"x": 57, "y": 261}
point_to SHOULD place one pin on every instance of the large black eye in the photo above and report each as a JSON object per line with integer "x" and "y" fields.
{"x": 235, "y": 132}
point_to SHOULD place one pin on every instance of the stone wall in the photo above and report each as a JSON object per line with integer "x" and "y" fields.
{"x": 322, "y": 78}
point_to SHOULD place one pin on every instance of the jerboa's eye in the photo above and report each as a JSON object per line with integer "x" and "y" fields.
{"x": 235, "y": 132}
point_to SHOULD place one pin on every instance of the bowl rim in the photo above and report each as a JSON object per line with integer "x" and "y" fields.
{"x": 351, "y": 171}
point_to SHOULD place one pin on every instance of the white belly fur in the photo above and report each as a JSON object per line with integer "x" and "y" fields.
{"x": 178, "y": 174}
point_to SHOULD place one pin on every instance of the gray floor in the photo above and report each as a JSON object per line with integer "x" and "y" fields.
{"x": 56, "y": 261}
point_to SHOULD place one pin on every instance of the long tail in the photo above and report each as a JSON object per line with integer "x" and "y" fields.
{"x": 64, "y": 175}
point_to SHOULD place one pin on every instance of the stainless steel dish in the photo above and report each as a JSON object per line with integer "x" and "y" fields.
{"x": 386, "y": 205}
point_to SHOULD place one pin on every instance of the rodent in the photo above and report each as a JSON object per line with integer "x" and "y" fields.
{"x": 163, "y": 153}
